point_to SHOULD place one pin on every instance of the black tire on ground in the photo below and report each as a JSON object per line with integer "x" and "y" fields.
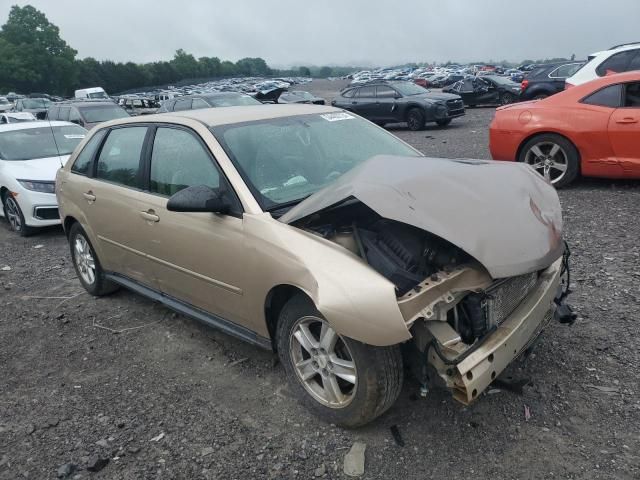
{"x": 573, "y": 156}
{"x": 443, "y": 123}
{"x": 379, "y": 371}
{"x": 540, "y": 96}
{"x": 100, "y": 285}
{"x": 506, "y": 98}
{"x": 415, "y": 119}
{"x": 21, "y": 228}
{"x": 381, "y": 124}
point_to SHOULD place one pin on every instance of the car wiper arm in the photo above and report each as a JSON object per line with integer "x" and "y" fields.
{"x": 291, "y": 203}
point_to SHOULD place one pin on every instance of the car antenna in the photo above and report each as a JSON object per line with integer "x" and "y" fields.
{"x": 52, "y": 133}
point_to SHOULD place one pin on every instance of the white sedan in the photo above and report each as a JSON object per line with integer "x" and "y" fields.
{"x": 30, "y": 155}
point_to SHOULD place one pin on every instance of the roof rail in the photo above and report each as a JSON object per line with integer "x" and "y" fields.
{"x": 624, "y": 45}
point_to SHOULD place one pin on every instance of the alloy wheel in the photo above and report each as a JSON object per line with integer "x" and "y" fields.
{"x": 549, "y": 159}
{"x": 13, "y": 213}
{"x": 84, "y": 259}
{"x": 323, "y": 362}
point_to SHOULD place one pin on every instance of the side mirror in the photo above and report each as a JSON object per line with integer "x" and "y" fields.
{"x": 199, "y": 198}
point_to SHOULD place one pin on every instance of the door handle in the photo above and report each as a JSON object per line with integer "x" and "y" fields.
{"x": 627, "y": 120}
{"x": 89, "y": 196}
{"x": 150, "y": 216}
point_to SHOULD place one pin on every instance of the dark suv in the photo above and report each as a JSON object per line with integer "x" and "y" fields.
{"x": 86, "y": 113}
{"x": 546, "y": 80}
{"x": 392, "y": 102}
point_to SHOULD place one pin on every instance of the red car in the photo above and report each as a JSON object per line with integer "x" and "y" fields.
{"x": 592, "y": 130}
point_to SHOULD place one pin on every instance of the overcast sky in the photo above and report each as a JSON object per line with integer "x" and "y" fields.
{"x": 352, "y": 32}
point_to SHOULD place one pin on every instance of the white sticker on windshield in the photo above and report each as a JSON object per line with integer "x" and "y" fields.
{"x": 336, "y": 117}
{"x": 74, "y": 136}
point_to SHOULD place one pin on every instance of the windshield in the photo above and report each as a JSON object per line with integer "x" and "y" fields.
{"x": 231, "y": 100}
{"x": 102, "y": 113}
{"x": 284, "y": 160}
{"x": 305, "y": 95}
{"x": 3, "y": 101}
{"x": 34, "y": 103}
{"x": 30, "y": 143}
{"x": 409, "y": 88}
{"x": 98, "y": 95}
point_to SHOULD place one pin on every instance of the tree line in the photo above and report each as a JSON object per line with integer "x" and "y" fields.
{"x": 34, "y": 58}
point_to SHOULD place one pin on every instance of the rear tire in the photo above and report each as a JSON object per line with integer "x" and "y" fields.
{"x": 415, "y": 119}
{"x": 552, "y": 155}
{"x": 14, "y": 216}
{"x": 540, "y": 96}
{"x": 87, "y": 265}
{"x": 343, "y": 381}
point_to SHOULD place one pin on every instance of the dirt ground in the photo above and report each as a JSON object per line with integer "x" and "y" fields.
{"x": 175, "y": 400}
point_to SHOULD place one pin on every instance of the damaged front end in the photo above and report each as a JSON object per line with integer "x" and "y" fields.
{"x": 476, "y": 258}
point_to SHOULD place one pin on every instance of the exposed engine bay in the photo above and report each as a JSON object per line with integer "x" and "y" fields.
{"x": 407, "y": 256}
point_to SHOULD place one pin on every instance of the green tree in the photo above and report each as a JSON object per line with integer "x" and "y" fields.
{"x": 33, "y": 57}
{"x": 304, "y": 71}
{"x": 325, "y": 72}
{"x": 185, "y": 64}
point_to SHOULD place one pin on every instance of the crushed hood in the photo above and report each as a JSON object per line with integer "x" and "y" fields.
{"x": 503, "y": 214}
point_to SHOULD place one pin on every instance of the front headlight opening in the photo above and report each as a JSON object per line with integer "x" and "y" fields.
{"x": 38, "y": 186}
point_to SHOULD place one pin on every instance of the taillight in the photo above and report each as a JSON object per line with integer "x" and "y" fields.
{"x": 524, "y": 85}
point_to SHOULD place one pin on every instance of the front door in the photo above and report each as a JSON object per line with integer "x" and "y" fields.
{"x": 624, "y": 131}
{"x": 199, "y": 258}
{"x": 385, "y": 103}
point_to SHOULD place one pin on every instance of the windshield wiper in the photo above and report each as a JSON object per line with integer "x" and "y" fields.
{"x": 283, "y": 205}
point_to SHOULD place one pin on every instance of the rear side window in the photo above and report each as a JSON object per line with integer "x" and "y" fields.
{"x": 179, "y": 161}
{"x": 634, "y": 64}
{"x": 119, "y": 160}
{"x": 606, "y": 97}
{"x": 616, "y": 63}
{"x": 82, "y": 165}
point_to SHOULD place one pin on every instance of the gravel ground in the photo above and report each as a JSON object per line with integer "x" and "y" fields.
{"x": 174, "y": 399}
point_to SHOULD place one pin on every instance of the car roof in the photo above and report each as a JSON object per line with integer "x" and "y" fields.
{"x": 228, "y": 115}
{"x": 34, "y": 124}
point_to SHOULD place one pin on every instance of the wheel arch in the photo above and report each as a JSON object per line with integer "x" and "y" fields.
{"x": 68, "y": 223}
{"x": 275, "y": 300}
{"x": 549, "y": 132}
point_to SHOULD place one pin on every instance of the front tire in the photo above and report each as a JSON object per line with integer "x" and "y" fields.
{"x": 443, "y": 123}
{"x": 552, "y": 156}
{"x": 87, "y": 265}
{"x": 342, "y": 381}
{"x": 415, "y": 119}
{"x": 15, "y": 217}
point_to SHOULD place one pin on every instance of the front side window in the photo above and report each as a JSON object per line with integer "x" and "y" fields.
{"x": 385, "y": 92}
{"x": 119, "y": 160}
{"x": 617, "y": 63}
{"x": 367, "y": 92}
{"x": 31, "y": 143}
{"x": 284, "y": 160}
{"x": 565, "y": 71}
{"x": 179, "y": 161}
{"x": 199, "y": 103}
{"x": 349, "y": 93}
{"x": 409, "y": 88}
{"x": 632, "y": 95}
{"x": 53, "y": 113}
{"x": 182, "y": 105}
{"x": 606, "y": 97}
{"x": 82, "y": 165}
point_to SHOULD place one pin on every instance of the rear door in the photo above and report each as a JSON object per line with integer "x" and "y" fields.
{"x": 114, "y": 208}
{"x": 366, "y": 102}
{"x": 624, "y": 130}
{"x": 199, "y": 258}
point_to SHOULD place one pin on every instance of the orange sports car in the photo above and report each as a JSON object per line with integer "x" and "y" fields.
{"x": 592, "y": 130}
